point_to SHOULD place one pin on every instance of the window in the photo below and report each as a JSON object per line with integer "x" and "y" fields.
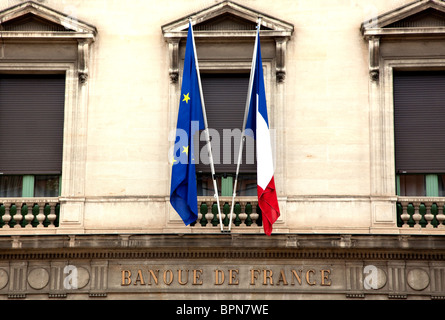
{"x": 406, "y": 39}
{"x": 419, "y": 131}
{"x": 441, "y": 179}
{"x": 31, "y": 133}
{"x": 11, "y": 186}
{"x": 224, "y": 35}
{"x": 404, "y": 46}
{"x": 39, "y": 43}
{"x": 225, "y": 99}
{"x": 43, "y": 104}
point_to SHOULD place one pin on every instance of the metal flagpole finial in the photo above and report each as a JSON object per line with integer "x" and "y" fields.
{"x": 259, "y": 22}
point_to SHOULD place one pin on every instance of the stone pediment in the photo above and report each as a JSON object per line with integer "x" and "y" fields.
{"x": 424, "y": 17}
{"x": 429, "y": 18}
{"x": 31, "y": 20}
{"x": 226, "y": 22}
{"x": 227, "y": 19}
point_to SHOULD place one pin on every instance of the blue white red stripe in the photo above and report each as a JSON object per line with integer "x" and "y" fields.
{"x": 257, "y": 121}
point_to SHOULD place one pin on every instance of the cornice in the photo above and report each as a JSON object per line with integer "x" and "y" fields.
{"x": 222, "y": 247}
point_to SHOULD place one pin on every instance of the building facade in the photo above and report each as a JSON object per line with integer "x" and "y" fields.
{"x": 89, "y": 96}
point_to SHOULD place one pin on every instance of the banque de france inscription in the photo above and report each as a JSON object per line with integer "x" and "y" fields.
{"x": 217, "y": 277}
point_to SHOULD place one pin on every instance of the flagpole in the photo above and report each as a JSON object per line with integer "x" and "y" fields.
{"x": 246, "y": 113}
{"x": 209, "y": 148}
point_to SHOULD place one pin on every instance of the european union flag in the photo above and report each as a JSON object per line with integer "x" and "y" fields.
{"x": 183, "y": 192}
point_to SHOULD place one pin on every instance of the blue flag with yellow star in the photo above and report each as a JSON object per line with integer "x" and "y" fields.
{"x": 183, "y": 192}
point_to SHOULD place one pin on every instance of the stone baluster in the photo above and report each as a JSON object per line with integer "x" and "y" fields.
{"x": 440, "y": 216}
{"x": 255, "y": 215}
{"x": 209, "y": 214}
{"x": 41, "y": 215}
{"x": 417, "y": 216}
{"x": 198, "y": 217}
{"x": 243, "y": 214}
{"x": 7, "y": 216}
{"x": 52, "y": 215}
{"x": 18, "y": 217}
{"x": 202, "y": 215}
{"x": 29, "y": 216}
{"x": 428, "y": 215}
{"x": 405, "y": 215}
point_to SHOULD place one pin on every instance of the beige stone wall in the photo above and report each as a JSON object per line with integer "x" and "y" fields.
{"x": 326, "y": 144}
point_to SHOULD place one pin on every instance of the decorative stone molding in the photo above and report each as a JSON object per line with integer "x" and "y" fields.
{"x": 250, "y": 247}
{"x": 173, "y": 48}
{"x": 83, "y": 56}
{"x": 224, "y": 35}
{"x": 374, "y": 58}
{"x": 418, "y": 20}
{"x": 30, "y": 25}
{"x": 114, "y": 266}
{"x": 64, "y": 26}
{"x": 397, "y": 40}
{"x": 228, "y": 20}
{"x": 48, "y": 25}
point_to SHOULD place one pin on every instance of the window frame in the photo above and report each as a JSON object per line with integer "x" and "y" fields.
{"x": 387, "y": 127}
{"x": 431, "y": 179}
{"x": 382, "y": 139}
{"x": 411, "y": 55}
{"x": 79, "y": 36}
{"x": 71, "y": 101}
{"x": 275, "y": 32}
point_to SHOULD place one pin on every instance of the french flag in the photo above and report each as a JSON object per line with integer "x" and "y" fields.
{"x": 257, "y": 122}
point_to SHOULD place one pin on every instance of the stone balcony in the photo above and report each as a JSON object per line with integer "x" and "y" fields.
{"x": 29, "y": 213}
{"x": 246, "y": 212}
{"x": 421, "y": 214}
{"x": 415, "y": 215}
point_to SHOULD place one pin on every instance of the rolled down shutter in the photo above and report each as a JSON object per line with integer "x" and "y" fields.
{"x": 31, "y": 123}
{"x": 419, "y": 122}
{"x": 225, "y": 98}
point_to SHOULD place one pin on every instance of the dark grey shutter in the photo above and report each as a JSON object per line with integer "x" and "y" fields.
{"x": 225, "y": 99}
{"x": 419, "y": 122}
{"x": 31, "y": 123}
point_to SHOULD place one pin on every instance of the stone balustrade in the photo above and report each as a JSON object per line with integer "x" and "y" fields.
{"x": 421, "y": 213}
{"x": 417, "y": 214}
{"x": 246, "y": 212}
{"x": 29, "y": 213}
